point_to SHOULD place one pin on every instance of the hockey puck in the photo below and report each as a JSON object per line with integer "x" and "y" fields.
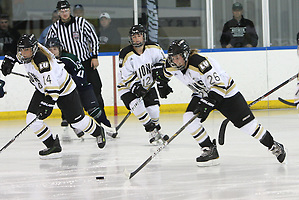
{"x": 99, "y": 177}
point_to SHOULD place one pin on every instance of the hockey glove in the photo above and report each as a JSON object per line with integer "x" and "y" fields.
{"x": 204, "y": 107}
{"x": 164, "y": 89}
{"x": 7, "y": 65}
{"x": 45, "y": 108}
{"x": 158, "y": 73}
{"x": 2, "y": 83}
{"x": 138, "y": 90}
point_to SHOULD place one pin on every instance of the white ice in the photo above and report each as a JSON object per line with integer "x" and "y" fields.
{"x": 247, "y": 169}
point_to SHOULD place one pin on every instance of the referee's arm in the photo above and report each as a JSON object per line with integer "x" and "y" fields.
{"x": 94, "y": 44}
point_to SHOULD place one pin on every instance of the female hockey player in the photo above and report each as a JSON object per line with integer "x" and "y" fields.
{"x": 88, "y": 99}
{"x": 135, "y": 77}
{"x": 213, "y": 89}
{"x": 52, "y": 85}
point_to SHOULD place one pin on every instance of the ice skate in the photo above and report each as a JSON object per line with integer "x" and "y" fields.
{"x": 112, "y": 132}
{"x": 154, "y": 137}
{"x": 52, "y": 152}
{"x": 278, "y": 150}
{"x": 209, "y": 157}
{"x": 101, "y": 139}
{"x": 78, "y": 132}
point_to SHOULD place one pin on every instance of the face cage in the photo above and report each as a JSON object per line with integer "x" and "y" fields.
{"x": 172, "y": 64}
{"x": 26, "y": 60}
{"x": 139, "y": 44}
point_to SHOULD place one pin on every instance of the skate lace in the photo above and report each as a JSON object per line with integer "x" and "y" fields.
{"x": 276, "y": 150}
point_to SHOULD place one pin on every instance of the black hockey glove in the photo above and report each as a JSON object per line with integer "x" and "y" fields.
{"x": 164, "y": 89}
{"x": 7, "y": 65}
{"x": 204, "y": 107}
{"x": 139, "y": 90}
{"x": 158, "y": 72}
{"x": 45, "y": 108}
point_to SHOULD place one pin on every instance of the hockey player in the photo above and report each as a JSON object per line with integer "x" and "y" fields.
{"x": 213, "y": 89}
{"x": 135, "y": 77}
{"x": 52, "y": 85}
{"x": 88, "y": 99}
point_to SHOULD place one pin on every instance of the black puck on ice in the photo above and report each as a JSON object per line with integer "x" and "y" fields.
{"x": 99, "y": 177}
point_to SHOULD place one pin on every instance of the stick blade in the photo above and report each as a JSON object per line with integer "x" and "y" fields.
{"x": 287, "y": 102}
{"x": 222, "y": 132}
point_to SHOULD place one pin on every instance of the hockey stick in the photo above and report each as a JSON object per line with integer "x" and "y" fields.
{"x": 287, "y": 102}
{"x": 131, "y": 175}
{"x": 225, "y": 122}
{"x": 13, "y": 139}
{"x": 19, "y": 74}
{"x": 130, "y": 111}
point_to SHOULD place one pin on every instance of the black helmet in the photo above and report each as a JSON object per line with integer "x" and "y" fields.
{"x": 178, "y": 47}
{"x": 54, "y": 42}
{"x": 62, "y": 5}
{"x": 137, "y": 29}
{"x": 26, "y": 41}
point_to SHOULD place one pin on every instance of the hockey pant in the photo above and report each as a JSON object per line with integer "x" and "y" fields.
{"x": 73, "y": 110}
{"x": 237, "y": 111}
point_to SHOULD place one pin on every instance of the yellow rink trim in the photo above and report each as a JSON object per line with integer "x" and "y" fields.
{"x": 165, "y": 108}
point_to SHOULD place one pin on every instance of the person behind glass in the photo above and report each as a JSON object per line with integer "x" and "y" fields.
{"x": 8, "y": 37}
{"x": 52, "y": 85}
{"x": 43, "y": 35}
{"x": 79, "y": 38}
{"x": 238, "y": 32}
{"x": 212, "y": 89}
{"x": 88, "y": 99}
{"x": 78, "y": 10}
{"x": 135, "y": 78}
{"x": 109, "y": 36}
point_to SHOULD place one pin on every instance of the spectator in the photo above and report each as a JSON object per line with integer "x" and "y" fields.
{"x": 109, "y": 36}
{"x": 8, "y": 37}
{"x": 43, "y": 35}
{"x": 238, "y": 32}
{"x": 78, "y": 10}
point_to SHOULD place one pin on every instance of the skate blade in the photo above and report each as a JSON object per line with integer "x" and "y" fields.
{"x": 209, "y": 163}
{"x": 51, "y": 156}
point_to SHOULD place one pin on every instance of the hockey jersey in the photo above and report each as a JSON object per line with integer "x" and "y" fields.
{"x": 48, "y": 74}
{"x": 204, "y": 75}
{"x": 138, "y": 68}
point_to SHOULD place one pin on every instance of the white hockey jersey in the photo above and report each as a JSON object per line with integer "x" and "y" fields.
{"x": 48, "y": 75}
{"x": 203, "y": 75}
{"x": 138, "y": 68}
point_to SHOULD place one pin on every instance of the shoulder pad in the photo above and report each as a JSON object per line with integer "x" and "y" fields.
{"x": 200, "y": 62}
{"x": 125, "y": 51}
{"x": 42, "y": 62}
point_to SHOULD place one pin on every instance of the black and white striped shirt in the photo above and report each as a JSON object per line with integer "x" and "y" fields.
{"x": 77, "y": 37}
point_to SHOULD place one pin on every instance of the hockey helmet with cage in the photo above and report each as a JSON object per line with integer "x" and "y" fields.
{"x": 54, "y": 42}
{"x": 178, "y": 47}
{"x": 26, "y": 41}
{"x": 137, "y": 29}
{"x": 62, "y": 5}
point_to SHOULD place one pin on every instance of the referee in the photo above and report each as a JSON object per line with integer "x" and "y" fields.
{"x": 79, "y": 38}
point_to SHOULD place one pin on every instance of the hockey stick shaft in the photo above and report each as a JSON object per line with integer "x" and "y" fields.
{"x": 162, "y": 147}
{"x": 19, "y": 74}
{"x": 14, "y": 138}
{"x": 287, "y": 102}
{"x": 225, "y": 122}
{"x": 133, "y": 108}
